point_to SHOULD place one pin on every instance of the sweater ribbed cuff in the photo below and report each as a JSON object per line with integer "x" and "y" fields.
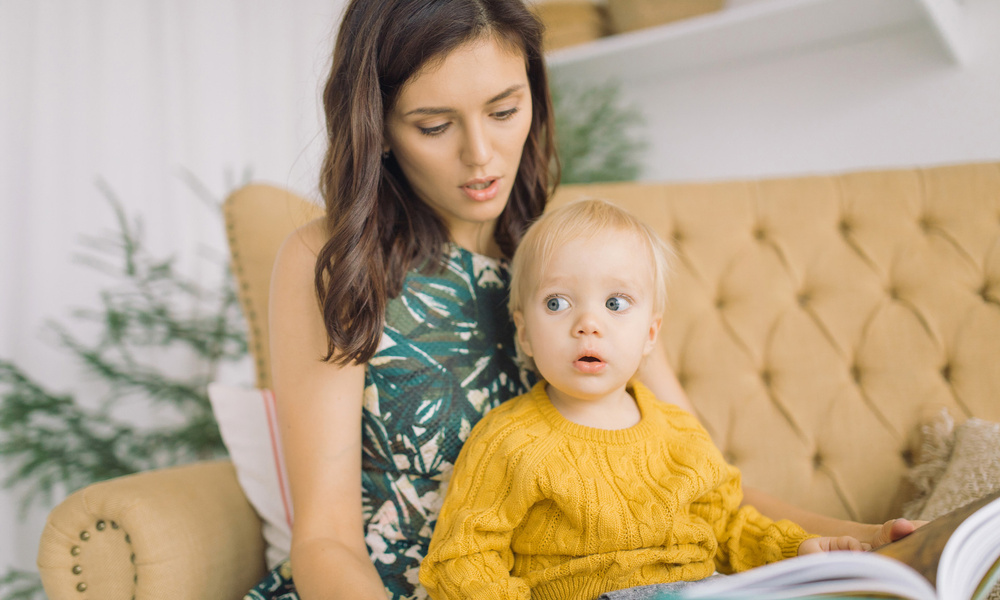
{"x": 792, "y": 538}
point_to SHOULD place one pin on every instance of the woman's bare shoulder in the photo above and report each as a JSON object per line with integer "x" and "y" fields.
{"x": 305, "y": 242}
{"x": 296, "y": 258}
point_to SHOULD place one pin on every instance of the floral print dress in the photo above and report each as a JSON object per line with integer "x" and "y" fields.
{"x": 446, "y": 358}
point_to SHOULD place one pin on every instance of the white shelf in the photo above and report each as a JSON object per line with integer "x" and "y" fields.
{"x": 752, "y": 32}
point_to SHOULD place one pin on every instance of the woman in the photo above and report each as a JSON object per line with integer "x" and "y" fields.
{"x": 388, "y": 324}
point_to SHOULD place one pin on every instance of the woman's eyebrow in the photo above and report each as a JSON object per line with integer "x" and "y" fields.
{"x": 440, "y": 110}
{"x": 507, "y": 92}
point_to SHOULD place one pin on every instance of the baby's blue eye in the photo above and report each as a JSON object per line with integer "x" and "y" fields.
{"x": 617, "y": 304}
{"x": 555, "y": 304}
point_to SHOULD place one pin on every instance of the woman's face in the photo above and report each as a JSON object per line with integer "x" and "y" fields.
{"x": 457, "y": 131}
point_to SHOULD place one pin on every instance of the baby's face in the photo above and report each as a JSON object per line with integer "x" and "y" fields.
{"x": 589, "y": 321}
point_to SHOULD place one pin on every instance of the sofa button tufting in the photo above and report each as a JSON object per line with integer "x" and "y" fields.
{"x": 75, "y": 551}
{"x": 678, "y": 236}
{"x": 765, "y": 376}
{"x": 85, "y": 535}
{"x": 114, "y": 525}
{"x": 856, "y": 374}
{"x": 845, "y": 228}
{"x": 946, "y": 372}
{"x": 803, "y": 299}
{"x": 894, "y": 293}
{"x": 81, "y": 587}
{"x": 817, "y": 460}
{"x": 759, "y": 233}
{"x": 101, "y": 525}
{"x": 77, "y": 569}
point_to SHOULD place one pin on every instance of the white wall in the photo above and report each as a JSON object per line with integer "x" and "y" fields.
{"x": 134, "y": 93}
{"x": 895, "y": 100}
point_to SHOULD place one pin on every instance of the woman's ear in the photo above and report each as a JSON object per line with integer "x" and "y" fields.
{"x": 654, "y": 332}
{"x": 522, "y": 336}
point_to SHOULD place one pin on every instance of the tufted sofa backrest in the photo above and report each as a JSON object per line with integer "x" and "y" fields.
{"x": 815, "y": 321}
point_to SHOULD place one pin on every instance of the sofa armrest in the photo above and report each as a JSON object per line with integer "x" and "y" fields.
{"x": 183, "y": 533}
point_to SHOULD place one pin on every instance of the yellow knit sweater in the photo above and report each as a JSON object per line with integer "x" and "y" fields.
{"x": 540, "y": 507}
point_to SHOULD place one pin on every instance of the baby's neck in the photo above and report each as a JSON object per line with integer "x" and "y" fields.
{"x": 618, "y": 410}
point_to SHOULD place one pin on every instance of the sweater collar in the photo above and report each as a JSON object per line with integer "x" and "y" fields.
{"x": 641, "y": 430}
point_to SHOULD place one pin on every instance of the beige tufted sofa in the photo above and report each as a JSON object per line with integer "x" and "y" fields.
{"x": 814, "y": 322}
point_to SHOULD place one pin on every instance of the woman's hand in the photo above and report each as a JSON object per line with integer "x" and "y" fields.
{"x": 892, "y": 530}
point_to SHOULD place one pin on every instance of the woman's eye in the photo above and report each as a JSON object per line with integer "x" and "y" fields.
{"x": 617, "y": 303}
{"x": 503, "y": 115}
{"x": 556, "y": 304}
{"x": 436, "y": 130}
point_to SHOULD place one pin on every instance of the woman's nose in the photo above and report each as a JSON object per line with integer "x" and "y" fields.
{"x": 478, "y": 149}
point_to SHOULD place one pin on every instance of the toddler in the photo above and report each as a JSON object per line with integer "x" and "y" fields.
{"x": 588, "y": 483}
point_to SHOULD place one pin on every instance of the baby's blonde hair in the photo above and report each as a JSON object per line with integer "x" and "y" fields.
{"x": 582, "y": 219}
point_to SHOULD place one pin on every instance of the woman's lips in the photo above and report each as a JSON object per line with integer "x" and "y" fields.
{"x": 486, "y": 193}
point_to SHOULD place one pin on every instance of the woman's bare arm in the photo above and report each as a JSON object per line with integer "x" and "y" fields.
{"x": 875, "y": 535}
{"x": 319, "y": 411}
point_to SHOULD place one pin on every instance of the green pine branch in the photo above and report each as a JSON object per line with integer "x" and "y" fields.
{"x": 56, "y": 442}
{"x": 599, "y": 137}
{"x": 21, "y": 585}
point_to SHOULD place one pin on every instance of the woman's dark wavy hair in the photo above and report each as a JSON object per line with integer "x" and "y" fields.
{"x": 378, "y": 229}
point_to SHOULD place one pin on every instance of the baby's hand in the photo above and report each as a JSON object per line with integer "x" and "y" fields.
{"x": 831, "y": 544}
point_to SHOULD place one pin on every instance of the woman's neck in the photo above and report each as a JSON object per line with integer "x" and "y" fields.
{"x": 478, "y": 240}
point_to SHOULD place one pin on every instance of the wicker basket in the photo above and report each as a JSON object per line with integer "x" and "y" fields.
{"x": 629, "y": 15}
{"x": 571, "y": 22}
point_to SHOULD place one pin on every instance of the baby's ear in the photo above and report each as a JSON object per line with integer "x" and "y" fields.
{"x": 522, "y": 336}
{"x": 654, "y": 332}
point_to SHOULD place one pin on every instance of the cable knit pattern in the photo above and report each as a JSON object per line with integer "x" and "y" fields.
{"x": 541, "y": 507}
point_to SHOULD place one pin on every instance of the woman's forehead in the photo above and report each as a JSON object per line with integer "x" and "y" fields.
{"x": 477, "y": 71}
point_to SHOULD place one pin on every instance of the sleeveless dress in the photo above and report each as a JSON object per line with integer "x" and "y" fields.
{"x": 446, "y": 358}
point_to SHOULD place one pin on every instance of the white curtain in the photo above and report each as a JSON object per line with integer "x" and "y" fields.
{"x": 136, "y": 93}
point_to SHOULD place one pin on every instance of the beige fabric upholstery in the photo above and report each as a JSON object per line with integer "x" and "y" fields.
{"x": 258, "y": 218}
{"x": 812, "y": 321}
{"x": 181, "y": 533}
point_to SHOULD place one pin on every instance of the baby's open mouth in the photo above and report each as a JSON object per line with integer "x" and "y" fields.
{"x": 590, "y": 364}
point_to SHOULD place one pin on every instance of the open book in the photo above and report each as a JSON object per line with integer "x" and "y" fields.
{"x": 954, "y": 557}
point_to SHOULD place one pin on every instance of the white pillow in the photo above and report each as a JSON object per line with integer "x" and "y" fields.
{"x": 249, "y": 427}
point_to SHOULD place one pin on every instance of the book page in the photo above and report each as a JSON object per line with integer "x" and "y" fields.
{"x": 971, "y": 552}
{"x": 837, "y": 573}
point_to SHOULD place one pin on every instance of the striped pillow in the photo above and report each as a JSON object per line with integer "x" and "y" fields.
{"x": 249, "y": 428}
